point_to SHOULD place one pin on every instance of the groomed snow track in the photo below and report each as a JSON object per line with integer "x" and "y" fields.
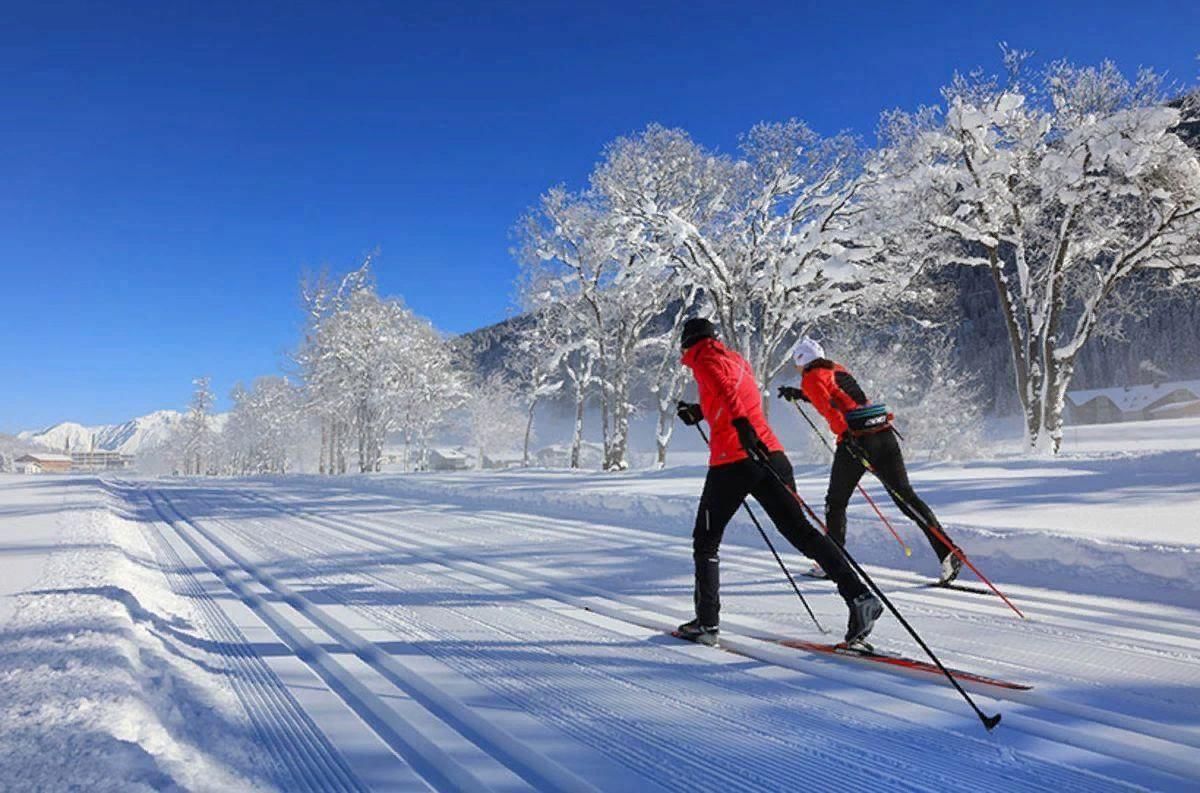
{"x": 416, "y": 645}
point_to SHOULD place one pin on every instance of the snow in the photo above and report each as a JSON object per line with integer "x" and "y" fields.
{"x": 505, "y": 631}
{"x": 46, "y": 457}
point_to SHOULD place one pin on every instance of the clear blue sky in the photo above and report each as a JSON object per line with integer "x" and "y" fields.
{"x": 167, "y": 170}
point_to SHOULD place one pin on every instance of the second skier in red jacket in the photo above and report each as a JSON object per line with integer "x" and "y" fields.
{"x": 742, "y": 447}
{"x": 837, "y": 396}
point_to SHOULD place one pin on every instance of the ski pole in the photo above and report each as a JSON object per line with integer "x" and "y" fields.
{"x": 861, "y": 489}
{"x": 988, "y": 721}
{"x": 933, "y": 528}
{"x": 774, "y": 553}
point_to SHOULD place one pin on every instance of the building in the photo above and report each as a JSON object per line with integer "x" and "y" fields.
{"x": 100, "y": 461}
{"x": 43, "y": 463}
{"x": 1134, "y": 403}
{"x": 449, "y": 460}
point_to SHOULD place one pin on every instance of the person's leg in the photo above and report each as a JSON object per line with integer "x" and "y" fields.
{"x": 883, "y": 451}
{"x": 725, "y": 488}
{"x": 780, "y": 502}
{"x": 843, "y": 477}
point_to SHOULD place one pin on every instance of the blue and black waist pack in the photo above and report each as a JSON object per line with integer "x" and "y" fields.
{"x": 868, "y": 419}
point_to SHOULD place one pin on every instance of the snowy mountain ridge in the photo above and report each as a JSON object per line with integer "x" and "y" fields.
{"x": 131, "y": 437}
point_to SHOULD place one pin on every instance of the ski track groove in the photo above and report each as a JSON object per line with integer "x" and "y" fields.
{"x": 341, "y": 692}
{"x": 1062, "y": 708}
{"x": 921, "y": 599}
{"x": 653, "y": 542}
{"x": 539, "y": 772}
{"x": 648, "y": 761}
{"x": 342, "y": 526}
{"x": 988, "y": 605}
{"x": 292, "y": 740}
{"x": 933, "y": 606}
{"x": 987, "y": 659}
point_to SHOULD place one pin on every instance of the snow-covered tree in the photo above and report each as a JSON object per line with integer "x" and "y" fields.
{"x": 1064, "y": 188}
{"x": 372, "y": 368}
{"x": 572, "y": 261}
{"x": 771, "y": 239}
{"x": 538, "y": 372}
{"x": 660, "y": 356}
{"x": 495, "y": 417}
{"x": 261, "y": 435}
{"x": 198, "y": 437}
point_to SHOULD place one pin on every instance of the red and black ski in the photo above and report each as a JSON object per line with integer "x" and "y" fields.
{"x": 893, "y": 659}
{"x": 874, "y": 656}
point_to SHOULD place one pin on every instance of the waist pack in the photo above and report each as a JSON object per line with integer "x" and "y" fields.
{"x": 868, "y": 419}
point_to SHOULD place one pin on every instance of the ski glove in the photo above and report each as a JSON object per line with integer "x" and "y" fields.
{"x": 689, "y": 413}
{"x": 749, "y": 439}
{"x": 791, "y": 394}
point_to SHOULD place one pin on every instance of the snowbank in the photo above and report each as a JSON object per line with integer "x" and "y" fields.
{"x": 103, "y": 687}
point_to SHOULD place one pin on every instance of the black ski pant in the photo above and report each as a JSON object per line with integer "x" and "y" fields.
{"x": 882, "y": 451}
{"x": 725, "y": 488}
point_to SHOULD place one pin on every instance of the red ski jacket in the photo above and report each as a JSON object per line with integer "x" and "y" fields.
{"x": 728, "y": 391}
{"x": 832, "y": 391}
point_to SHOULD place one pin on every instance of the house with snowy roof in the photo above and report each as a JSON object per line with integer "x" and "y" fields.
{"x": 1134, "y": 403}
{"x": 39, "y": 463}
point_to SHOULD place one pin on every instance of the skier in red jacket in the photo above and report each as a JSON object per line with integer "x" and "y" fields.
{"x": 742, "y": 446}
{"x": 864, "y": 434}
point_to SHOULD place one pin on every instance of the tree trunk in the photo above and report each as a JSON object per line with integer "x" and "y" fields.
{"x": 577, "y": 436}
{"x": 528, "y": 434}
{"x": 662, "y": 438}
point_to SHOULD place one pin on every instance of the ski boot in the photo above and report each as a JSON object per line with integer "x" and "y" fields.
{"x": 693, "y": 631}
{"x": 864, "y": 610}
{"x": 951, "y": 566}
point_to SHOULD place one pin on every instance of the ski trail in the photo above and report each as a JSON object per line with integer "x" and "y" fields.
{"x": 1139, "y": 749}
{"x": 292, "y": 741}
{"x": 607, "y": 723}
{"x": 1069, "y": 638}
{"x": 468, "y": 735}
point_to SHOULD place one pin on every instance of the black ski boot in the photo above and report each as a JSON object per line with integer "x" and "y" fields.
{"x": 951, "y": 566}
{"x": 693, "y": 631}
{"x": 864, "y": 610}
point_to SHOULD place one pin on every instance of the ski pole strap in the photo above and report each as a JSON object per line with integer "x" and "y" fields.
{"x": 868, "y": 420}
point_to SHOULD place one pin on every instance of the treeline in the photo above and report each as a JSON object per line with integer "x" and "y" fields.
{"x": 1068, "y": 186}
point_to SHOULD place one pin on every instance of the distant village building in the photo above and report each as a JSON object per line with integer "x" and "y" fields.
{"x": 100, "y": 461}
{"x": 449, "y": 460}
{"x": 499, "y": 461}
{"x": 1134, "y": 403}
{"x": 39, "y": 463}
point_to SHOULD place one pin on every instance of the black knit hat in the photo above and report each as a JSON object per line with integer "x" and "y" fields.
{"x": 696, "y": 329}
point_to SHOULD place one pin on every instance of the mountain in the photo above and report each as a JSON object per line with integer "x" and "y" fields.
{"x": 131, "y": 437}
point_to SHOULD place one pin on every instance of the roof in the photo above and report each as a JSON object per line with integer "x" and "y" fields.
{"x": 1132, "y": 398}
{"x": 38, "y": 457}
{"x": 450, "y": 454}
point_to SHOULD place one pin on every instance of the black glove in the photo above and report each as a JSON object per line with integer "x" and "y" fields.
{"x": 749, "y": 439}
{"x": 689, "y": 413}
{"x": 791, "y": 394}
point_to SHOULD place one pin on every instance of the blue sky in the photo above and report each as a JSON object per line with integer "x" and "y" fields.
{"x": 168, "y": 170}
